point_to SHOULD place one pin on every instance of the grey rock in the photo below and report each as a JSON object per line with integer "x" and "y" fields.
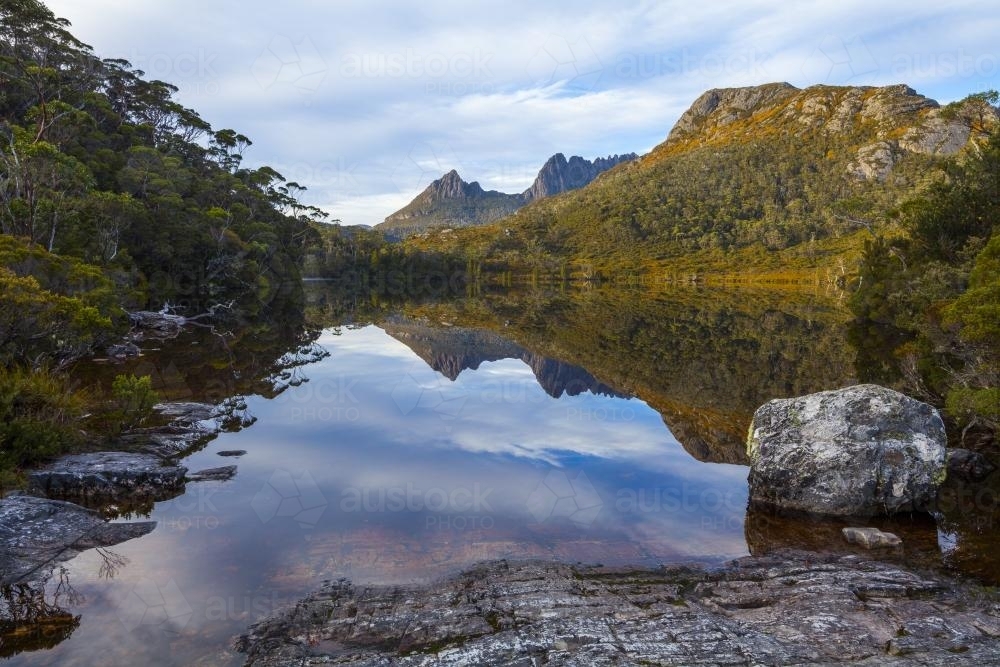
{"x": 860, "y": 451}
{"x": 968, "y": 465}
{"x": 561, "y": 175}
{"x": 936, "y": 136}
{"x": 172, "y": 441}
{"x": 187, "y": 412}
{"x": 232, "y": 453}
{"x": 220, "y": 474}
{"x": 108, "y": 475}
{"x": 846, "y": 113}
{"x": 836, "y": 109}
{"x": 874, "y": 162}
{"x": 721, "y": 106}
{"x": 791, "y": 609}
{"x": 888, "y": 104}
{"x": 191, "y": 425}
{"x": 38, "y": 533}
{"x": 871, "y": 538}
{"x": 452, "y": 202}
{"x": 123, "y": 350}
{"x": 158, "y": 324}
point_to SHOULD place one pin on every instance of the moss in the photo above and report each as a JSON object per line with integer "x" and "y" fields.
{"x": 494, "y": 620}
{"x": 940, "y": 476}
{"x": 753, "y": 445}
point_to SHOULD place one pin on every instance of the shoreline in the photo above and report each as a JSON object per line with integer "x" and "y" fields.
{"x": 786, "y": 608}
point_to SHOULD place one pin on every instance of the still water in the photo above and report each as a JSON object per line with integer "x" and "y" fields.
{"x": 435, "y": 436}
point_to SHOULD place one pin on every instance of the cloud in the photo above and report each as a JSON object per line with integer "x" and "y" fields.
{"x": 345, "y": 92}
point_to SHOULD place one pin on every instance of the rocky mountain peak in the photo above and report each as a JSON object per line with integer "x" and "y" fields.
{"x": 451, "y": 186}
{"x": 451, "y": 202}
{"x": 560, "y": 175}
{"x": 881, "y": 124}
{"x": 721, "y": 106}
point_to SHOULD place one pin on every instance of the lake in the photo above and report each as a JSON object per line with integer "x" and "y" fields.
{"x": 600, "y": 426}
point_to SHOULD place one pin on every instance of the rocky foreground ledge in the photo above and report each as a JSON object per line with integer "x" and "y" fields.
{"x": 792, "y": 608}
{"x": 36, "y": 534}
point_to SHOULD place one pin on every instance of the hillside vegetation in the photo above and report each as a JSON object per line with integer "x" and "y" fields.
{"x": 744, "y": 172}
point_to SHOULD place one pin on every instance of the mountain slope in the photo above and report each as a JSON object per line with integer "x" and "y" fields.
{"x": 451, "y": 202}
{"x": 767, "y": 167}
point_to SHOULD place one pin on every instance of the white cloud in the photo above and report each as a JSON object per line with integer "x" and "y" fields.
{"x": 503, "y": 88}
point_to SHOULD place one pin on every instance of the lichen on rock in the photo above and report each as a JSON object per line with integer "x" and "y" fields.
{"x": 859, "y": 451}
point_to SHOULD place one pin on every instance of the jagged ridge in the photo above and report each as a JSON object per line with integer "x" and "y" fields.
{"x": 452, "y": 202}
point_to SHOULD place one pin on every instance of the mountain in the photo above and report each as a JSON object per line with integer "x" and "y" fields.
{"x": 561, "y": 175}
{"x": 451, "y": 202}
{"x": 748, "y": 170}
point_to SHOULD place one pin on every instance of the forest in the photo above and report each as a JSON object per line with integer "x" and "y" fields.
{"x": 114, "y": 197}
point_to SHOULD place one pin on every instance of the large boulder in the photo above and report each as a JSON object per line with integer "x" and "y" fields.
{"x": 860, "y": 451}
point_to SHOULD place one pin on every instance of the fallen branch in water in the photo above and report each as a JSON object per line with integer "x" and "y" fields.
{"x": 167, "y": 322}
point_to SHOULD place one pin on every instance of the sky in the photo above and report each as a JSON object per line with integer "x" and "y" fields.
{"x": 366, "y": 102}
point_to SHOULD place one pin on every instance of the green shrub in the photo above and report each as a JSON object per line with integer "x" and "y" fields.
{"x": 39, "y": 417}
{"x": 134, "y": 399}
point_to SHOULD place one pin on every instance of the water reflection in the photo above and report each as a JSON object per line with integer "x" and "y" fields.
{"x": 32, "y": 615}
{"x": 598, "y": 427}
{"x": 705, "y": 360}
{"x": 379, "y": 468}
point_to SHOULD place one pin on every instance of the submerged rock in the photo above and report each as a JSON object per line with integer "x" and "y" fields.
{"x": 860, "y": 451}
{"x": 123, "y": 350}
{"x": 108, "y": 475}
{"x": 38, "y": 533}
{"x": 220, "y": 474}
{"x": 232, "y": 453}
{"x": 871, "y": 538}
{"x": 968, "y": 465}
{"x": 795, "y": 608}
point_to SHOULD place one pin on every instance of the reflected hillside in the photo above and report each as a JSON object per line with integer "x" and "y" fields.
{"x": 705, "y": 359}
{"x": 235, "y": 356}
{"x": 31, "y": 619}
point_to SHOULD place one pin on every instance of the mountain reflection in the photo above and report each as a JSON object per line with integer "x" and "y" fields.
{"x": 451, "y": 350}
{"x": 705, "y": 360}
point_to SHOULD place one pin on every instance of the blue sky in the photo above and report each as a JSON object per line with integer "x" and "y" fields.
{"x": 366, "y": 102}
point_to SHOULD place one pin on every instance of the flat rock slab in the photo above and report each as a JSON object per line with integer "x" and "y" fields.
{"x": 110, "y": 475}
{"x": 187, "y": 412}
{"x": 232, "y": 453}
{"x": 792, "y": 609}
{"x": 38, "y": 533}
{"x": 191, "y": 425}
